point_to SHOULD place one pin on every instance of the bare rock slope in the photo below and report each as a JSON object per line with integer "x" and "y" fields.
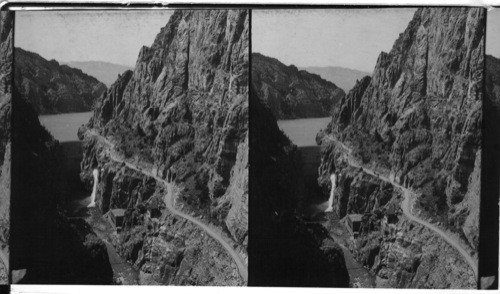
{"x": 417, "y": 120}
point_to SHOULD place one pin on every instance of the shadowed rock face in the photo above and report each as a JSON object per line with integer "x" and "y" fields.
{"x": 53, "y": 88}
{"x": 284, "y": 251}
{"x": 51, "y": 248}
{"x": 291, "y": 93}
{"x": 183, "y": 109}
{"x": 417, "y": 118}
{"x": 488, "y": 244}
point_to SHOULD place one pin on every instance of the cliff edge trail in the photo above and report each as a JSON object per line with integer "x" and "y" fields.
{"x": 169, "y": 200}
{"x": 406, "y": 207}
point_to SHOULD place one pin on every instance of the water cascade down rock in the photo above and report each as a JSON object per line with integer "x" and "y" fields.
{"x": 333, "y": 179}
{"x": 95, "y": 173}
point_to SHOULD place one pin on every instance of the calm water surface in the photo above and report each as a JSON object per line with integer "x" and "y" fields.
{"x": 64, "y": 127}
{"x": 303, "y": 132}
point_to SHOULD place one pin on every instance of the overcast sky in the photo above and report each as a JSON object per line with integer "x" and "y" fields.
{"x": 493, "y": 33}
{"x": 112, "y": 35}
{"x": 351, "y": 38}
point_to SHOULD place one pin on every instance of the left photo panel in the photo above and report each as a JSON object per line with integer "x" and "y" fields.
{"x": 127, "y": 145}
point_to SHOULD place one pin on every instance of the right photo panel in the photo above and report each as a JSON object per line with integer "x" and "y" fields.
{"x": 366, "y": 139}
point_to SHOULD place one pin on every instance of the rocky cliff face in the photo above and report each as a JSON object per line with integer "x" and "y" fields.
{"x": 50, "y": 247}
{"x": 291, "y": 93}
{"x": 182, "y": 111}
{"x": 417, "y": 120}
{"x": 284, "y": 251}
{"x": 6, "y": 60}
{"x": 54, "y": 88}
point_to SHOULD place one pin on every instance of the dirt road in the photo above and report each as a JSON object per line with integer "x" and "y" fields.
{"x": 169, "y": 202}
{"x": 406, "y": 207}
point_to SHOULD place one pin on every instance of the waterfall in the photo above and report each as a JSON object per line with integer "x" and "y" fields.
{"x": 95, "y": 173}
{"x": 333, "y": 179}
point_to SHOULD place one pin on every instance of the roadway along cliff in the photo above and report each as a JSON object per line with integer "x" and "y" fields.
{"x": 406, "y": 207}
{"x": 169, "y": 200}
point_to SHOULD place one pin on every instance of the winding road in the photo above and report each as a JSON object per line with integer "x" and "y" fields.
{"x": 169, "y": 202}
{"x": 406, "y": 207}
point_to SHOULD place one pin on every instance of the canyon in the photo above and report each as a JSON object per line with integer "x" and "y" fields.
{"x": 185, "y": 173}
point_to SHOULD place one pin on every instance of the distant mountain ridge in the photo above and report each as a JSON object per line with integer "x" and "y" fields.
{"x": 52, "y": 87}
{"x": 291, "y": 93}
{"x": 343, "y": 77}
{"x": 106, "y": 72}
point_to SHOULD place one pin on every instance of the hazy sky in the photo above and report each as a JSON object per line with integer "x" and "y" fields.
{"x": 493, "y": 32}
{"x": 350, "y": 38}
{"x": 113, "y": 36}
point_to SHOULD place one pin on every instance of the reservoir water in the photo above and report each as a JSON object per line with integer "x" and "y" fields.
{"x": 64, "y": 127}
{"x": 302, "y": 132}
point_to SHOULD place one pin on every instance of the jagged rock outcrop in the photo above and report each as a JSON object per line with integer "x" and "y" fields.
{"x": 6, "y": 60}
{"x": 417, "y": 120}
{"x": 291, "y": 93}
{"x": 47, "y": 246}
{"x": 284, "y": 251}
{"x": 183, "y": 110}
{"x": 54, "y": 88}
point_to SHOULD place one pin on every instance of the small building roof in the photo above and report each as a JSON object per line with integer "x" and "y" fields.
{"x": 118, "y": 212}
{"x": 355, "y": 217}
